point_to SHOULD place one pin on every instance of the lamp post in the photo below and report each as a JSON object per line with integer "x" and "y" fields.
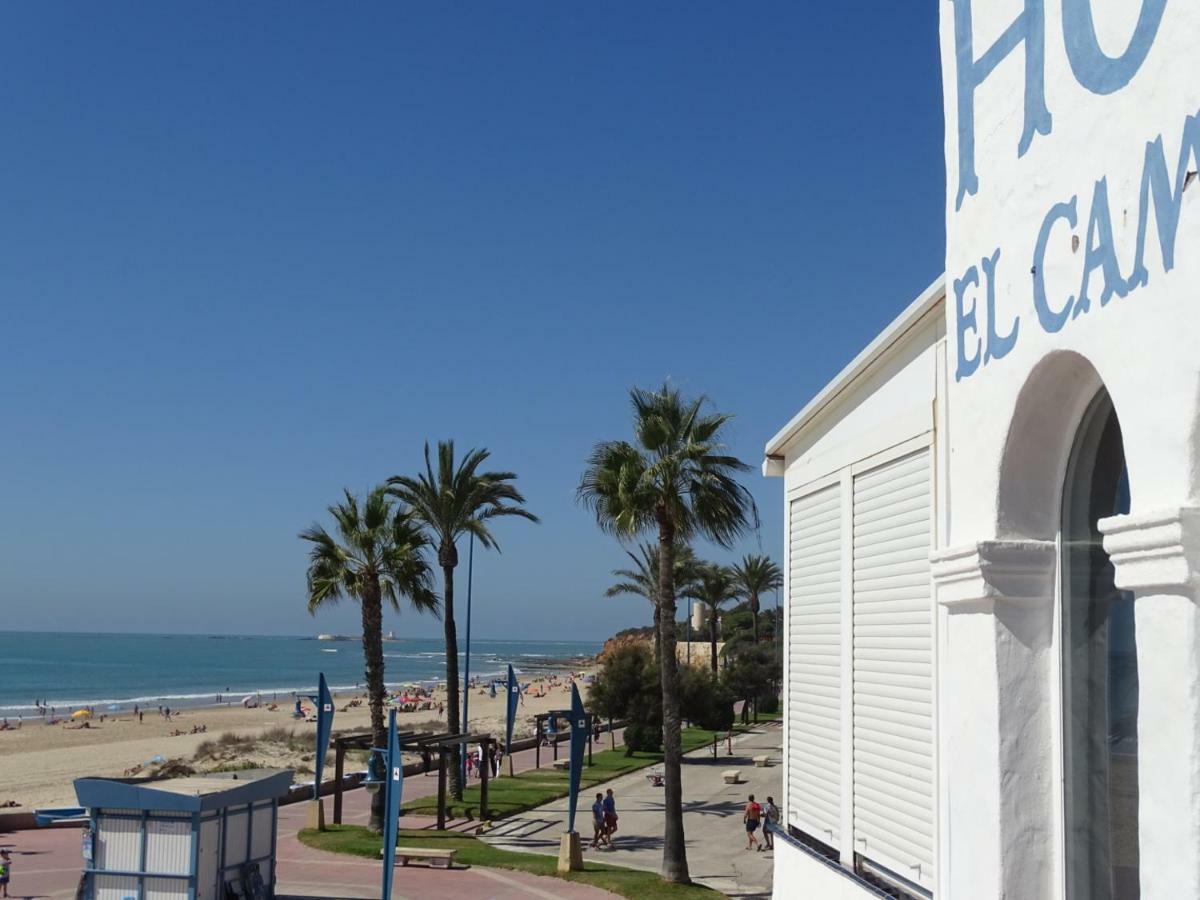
{"x": 462, "y": 762}
{"x": 689, "y": 632}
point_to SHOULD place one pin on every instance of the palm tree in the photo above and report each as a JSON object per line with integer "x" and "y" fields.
{"x": 378, "y": 554}
{"x": 756, "y": 575}
{"x": 450, "y": 502}
{"x": 678, "y": 480}
{"x": 642, "y": 580}
{"x": 716, "y": 586}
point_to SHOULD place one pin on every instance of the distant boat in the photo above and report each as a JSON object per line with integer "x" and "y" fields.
{"x": 390, "y": 636}
{"x": 335, "y": 637}
{"x": 329, "y": 650}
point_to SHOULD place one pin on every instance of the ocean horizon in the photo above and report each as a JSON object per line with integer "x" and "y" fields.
{"x": 112, "y": 671}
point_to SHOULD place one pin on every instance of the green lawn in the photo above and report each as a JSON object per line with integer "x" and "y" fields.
{"x": 358, "y": 841}
{"x": 526, "y": 790}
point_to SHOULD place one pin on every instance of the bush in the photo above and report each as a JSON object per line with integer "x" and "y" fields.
{"x": 643, "y": 737}
{"x": 705, "y": 699}
{"x": 628, "y": 687}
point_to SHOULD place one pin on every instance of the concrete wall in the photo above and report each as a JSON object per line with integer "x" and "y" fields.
{"x": 800, "y": 877}
{"x": 1071, "y": 265}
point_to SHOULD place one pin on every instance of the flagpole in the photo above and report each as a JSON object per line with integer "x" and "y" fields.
{"x": 462, "y": 762}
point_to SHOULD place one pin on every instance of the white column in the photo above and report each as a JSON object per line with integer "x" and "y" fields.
{"x": 995, "y": 731}
{"x": 1157, "y": 557}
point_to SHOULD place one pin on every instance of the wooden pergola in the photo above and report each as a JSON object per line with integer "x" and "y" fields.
{"x": 551, "y": 715}
{"x": 444, "y": 743}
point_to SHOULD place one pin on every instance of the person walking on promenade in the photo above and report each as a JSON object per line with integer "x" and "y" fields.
{"x": 610, "y": 815}
{"x": 5, "y": 872}
{"x": 770, "y": 817}
{"x": 598, "y": 830}
{"x": 751, "y": 815}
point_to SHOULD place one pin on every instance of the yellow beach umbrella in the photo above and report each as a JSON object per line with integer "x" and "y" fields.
{"x": 81, "y": 714}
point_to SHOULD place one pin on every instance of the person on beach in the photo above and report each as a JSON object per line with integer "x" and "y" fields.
{"x": 770, "y": 817}
{"x": 5, "y": 872}
{"x": 751, "y": 816}
{"x": 610, "y": 816}
{"x": 598, "y": 830}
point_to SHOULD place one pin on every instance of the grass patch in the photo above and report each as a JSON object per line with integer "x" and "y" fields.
{"x": 358, "y": 841}
{"x": 526, "y": 790}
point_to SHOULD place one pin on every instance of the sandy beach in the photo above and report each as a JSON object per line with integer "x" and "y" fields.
{"x": 38, "y": 762}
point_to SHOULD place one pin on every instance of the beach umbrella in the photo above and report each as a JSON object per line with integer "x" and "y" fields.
{"x": 81, "y": 714}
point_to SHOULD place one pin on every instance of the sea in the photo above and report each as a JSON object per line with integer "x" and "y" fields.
{"x": 115, "y": 671}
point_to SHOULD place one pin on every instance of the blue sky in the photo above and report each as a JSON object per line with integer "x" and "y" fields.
{"x": 256, "y": 253}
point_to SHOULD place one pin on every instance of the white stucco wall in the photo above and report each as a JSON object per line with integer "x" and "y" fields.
{"x": 1025, "y": 356}
{"x": 797, "y": 876}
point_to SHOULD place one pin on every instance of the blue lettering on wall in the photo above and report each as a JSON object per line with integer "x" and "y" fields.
{"x": 1028, "y": 28}
{"x": 1051, "y": 320}
{"x": 1100, "y": 253}
{"x": 997, "y": 346}
{"x": 1093, "y": 68}
{"x": 965, "y": 322}
{"x": 1168, "y": 199}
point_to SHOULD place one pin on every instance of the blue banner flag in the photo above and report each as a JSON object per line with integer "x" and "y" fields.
{"x": 324, "y": 702}
{"x": 579, "y": 736}
{"x": 514, "y": 696}
{"x": 393, "y": 787}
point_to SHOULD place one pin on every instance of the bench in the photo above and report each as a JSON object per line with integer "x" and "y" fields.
{"x": 404, "y": 854}
{"x": 762, "y": 762}
{"x": 562, "y": 764}
{"x": 732, "y": 776}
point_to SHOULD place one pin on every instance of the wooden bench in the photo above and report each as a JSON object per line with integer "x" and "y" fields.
{"x": 404, "y": 854}
{"x": 732, "y": 776}
{"x": 762, "y": 762}
{"x": 562, "y": 764}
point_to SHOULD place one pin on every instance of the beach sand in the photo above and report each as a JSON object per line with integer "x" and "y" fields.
{"x": 39, "y": 762}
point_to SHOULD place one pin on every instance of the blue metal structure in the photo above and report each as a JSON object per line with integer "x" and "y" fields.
{"x": 324, "y": 703}
{"x": 184, "y": 837}
{"x": 514, "y": 696}
{"x": 580, "y": 730}
{"x": 394, "y": 787}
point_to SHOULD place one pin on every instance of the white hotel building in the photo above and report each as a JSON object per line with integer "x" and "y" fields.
{"x": 992, "y": 515}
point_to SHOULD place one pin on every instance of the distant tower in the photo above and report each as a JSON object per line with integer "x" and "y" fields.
{"x": 699, "y": 616}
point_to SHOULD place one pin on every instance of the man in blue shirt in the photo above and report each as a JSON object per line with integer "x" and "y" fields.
{"x": 610, "y": 816}
{"x": 598, "y": 836}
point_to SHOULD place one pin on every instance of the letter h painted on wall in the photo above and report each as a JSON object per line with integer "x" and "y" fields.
{"x": 1092, "y": 67}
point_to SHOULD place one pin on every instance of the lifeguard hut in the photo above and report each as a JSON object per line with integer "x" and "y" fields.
{"x": 205, "y": 837}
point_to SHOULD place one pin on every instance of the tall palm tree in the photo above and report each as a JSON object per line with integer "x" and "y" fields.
{"x": 675, "y": 478}
{"x": 716, "y": 586}
{"x": 756, "y": 575}
{"x": 449, "y": 502}
{"x": 642, "y": 580}
{"x": 378, "y": 554}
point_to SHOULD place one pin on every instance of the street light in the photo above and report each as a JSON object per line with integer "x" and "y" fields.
{"x": 462, "y": 761}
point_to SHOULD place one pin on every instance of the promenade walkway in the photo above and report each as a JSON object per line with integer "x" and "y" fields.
{"x": 48, "y": 863}
{"x": 716, "y": 838}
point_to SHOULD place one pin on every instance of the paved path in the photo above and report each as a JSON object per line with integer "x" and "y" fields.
{"x": 47, "y": 862}
{"x": 716, "y": 838}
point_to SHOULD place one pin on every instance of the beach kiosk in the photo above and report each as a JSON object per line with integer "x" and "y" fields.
{"x": 208, "y": 837}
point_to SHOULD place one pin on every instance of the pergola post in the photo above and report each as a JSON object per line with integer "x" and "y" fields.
{"x": 485, "y": 769}
{"x": 612, "y": 735}
{"x": 339, "y": 763}
{"x": 441, "y": 813}
{"x": 537, "y": 743}
{"x": 591, "y": 729}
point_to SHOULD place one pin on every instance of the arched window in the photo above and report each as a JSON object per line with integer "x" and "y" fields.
{"x": 1099, "y": 668}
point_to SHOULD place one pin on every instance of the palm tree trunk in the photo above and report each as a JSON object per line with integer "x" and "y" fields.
{"x": 674, "y": 863}
{"x": 453, "y": 707}
{"x": 712, "y": 635}
{"x": 754, "y": 617}
{"x": 372, "y": 640}
{"x": 657, "y": 632}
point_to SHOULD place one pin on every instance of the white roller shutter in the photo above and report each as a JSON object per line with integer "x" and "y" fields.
{"x": 814, "y": 667}
{"x": 893, "y": 657}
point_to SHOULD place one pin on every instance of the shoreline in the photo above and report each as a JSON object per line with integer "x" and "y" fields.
{"x": 29, "y": 713}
